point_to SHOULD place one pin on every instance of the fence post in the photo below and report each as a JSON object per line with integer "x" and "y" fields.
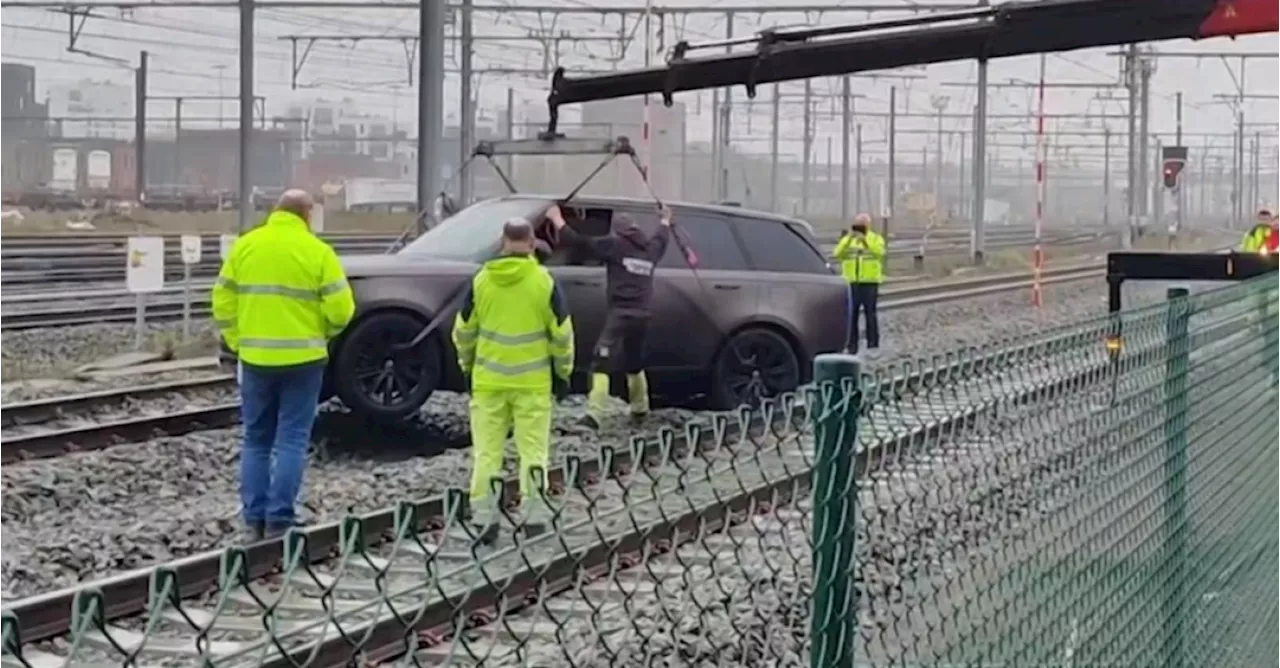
{"x": 1174, "y": 570}
{"x": 833, "y": 620}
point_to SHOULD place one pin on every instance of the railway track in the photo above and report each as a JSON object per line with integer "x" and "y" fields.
{"x": 40, "y": 444}
{"x": 26, "y": 267}
{"x": 407, "y": 580}
{"x": 164, "y": 309}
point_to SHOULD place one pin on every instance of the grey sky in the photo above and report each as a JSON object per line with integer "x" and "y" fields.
{"x": 189, "y": 45}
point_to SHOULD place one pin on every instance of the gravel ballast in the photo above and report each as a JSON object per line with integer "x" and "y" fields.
{"x": 89, "y": 515}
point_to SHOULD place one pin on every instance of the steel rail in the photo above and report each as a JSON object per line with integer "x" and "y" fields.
{"x": 35, "y": 411}
{"x": 49, "y": 615}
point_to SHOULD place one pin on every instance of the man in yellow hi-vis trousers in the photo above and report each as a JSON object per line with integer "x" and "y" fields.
{"x": 512, "y": 334}
{"x": 280, "y": 297}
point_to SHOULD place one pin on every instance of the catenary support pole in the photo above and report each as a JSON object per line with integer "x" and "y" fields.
{"x": 833, "y": 619}
{"x": 1037, "y": 251}
{"x": 775, "y": 112}
{"x": 1180, "y": 192}
{"x": 511, "y": 132}
{"x": 978, "y": 238}
{"x": 846, "y": 122}
{"x": 887, "y": 206}
{"x": 726, "y": 123}
{"x": 467, "y": 111}
{"x": 858, "y": 169}
{"x": 807, "y": 147}
{"x": 1131, "y": 204}
{"x": 140, "y": 129}
{"x": 431, "y": 20}
{"x": 1145, "y": 66}
{"x": 245, "y": 180}
{"x": 1106, "y": 176}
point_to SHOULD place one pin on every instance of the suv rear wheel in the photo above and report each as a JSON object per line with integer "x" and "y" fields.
{"x": 374, "y": 379}
{"x": 754, "y": 364}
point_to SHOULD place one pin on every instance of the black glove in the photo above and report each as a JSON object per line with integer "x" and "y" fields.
{"x": 559, "y": 388}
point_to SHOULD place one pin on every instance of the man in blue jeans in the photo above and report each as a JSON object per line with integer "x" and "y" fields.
{"x": 280, "y": 297}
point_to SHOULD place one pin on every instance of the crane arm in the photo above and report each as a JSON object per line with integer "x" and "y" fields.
{"x": 1010, "y": 29}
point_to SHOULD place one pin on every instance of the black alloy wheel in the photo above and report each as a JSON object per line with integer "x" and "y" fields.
{"x": 376, "y": 379}
{"x": 753, "y": 365}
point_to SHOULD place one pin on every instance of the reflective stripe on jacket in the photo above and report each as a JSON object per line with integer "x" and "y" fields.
{"x": 281, "y": 294}
{"x": 861, "y": 258}
{"x": 514, "y": 329}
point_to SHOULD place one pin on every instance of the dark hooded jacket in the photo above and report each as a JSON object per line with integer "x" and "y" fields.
{"x": 629, "y": 257}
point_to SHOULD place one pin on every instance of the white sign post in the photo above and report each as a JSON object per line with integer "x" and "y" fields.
{"x": 190, "y": 258}
{"x": 317, "y": 218}
{"x": 144, "y": 273}
{"x": 225, "y": 242}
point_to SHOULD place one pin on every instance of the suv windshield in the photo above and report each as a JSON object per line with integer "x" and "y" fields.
{"x": 472, "y": 233}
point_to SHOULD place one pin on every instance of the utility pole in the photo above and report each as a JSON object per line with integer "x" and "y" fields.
{"x": 511, "y": 129}
{"x": 140, "y": 129}
{"x": 808, "y": 146}
{"x": 775, "y": 112}
{"x": 846, "y": 122}
{"x": 888, "y": 206}
{"x": 431, "y": 20}
{"x": 245, "y": 180}
{"x": 857, "y": 173}
{"x": 963, "y": 204}
{"x": 467, "y": 115}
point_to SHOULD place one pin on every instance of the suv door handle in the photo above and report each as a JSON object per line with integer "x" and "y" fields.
{"x": 584, "y": 282}
{"x": 726, "y": 286}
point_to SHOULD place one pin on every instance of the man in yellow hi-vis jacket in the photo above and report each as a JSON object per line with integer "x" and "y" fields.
{"x": 512, "y": 334}
{"x": 280, "y": 297}
{"x": 861, "y": 255}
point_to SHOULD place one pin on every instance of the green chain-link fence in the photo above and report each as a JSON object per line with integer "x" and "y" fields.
{"x": 1036, "y": 503}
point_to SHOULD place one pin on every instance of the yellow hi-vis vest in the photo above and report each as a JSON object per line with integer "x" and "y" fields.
{"x": 514, "y": 329}
{"x": 1255, "y": 240}
{"x": 861, "y": 259}
{"x": 281, "y": 294}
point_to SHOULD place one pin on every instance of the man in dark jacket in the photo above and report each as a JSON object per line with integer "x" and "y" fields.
{"x": 629, "y": 256}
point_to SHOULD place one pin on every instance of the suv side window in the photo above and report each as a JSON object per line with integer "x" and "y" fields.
{"x": 775, "y": 246}
{"x": 594, "y": 222}
{"x": 712, "y": 240}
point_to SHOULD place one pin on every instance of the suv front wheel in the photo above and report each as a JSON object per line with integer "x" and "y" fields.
{"x": 374, "y": 379}
{"x": 754, "y": 364}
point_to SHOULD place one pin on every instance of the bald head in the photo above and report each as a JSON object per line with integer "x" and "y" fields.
{"x": 517, "y": 237}
{"x": 296, "y": 201}
{"x": 861, "y": 222}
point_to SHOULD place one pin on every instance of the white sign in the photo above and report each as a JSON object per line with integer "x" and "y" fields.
{"x": 317, "y": 218}
{"x": 191, "y": 249}
{"x": 144, "y": 264}
{"x": 225, "y": 242}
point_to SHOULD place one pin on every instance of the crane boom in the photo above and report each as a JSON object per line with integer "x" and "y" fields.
{"x": 1010, "y": 29}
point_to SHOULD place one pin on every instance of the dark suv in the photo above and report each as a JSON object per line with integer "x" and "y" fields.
{"x": 744, "y": 322}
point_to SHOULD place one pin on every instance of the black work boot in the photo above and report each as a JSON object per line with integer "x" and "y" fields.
{"x": 485, "y": 535}
{"x": 253, "y": 532}
{"x": 278, "y": 529}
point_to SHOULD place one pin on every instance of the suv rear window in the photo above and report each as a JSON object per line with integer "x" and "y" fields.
{"x": 776, "y": 246}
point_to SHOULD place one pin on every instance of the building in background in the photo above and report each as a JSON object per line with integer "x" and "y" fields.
{"x": 90, "y": 100}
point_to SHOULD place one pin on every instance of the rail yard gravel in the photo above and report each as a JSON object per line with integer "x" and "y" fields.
{"x": 89, "y": 515}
